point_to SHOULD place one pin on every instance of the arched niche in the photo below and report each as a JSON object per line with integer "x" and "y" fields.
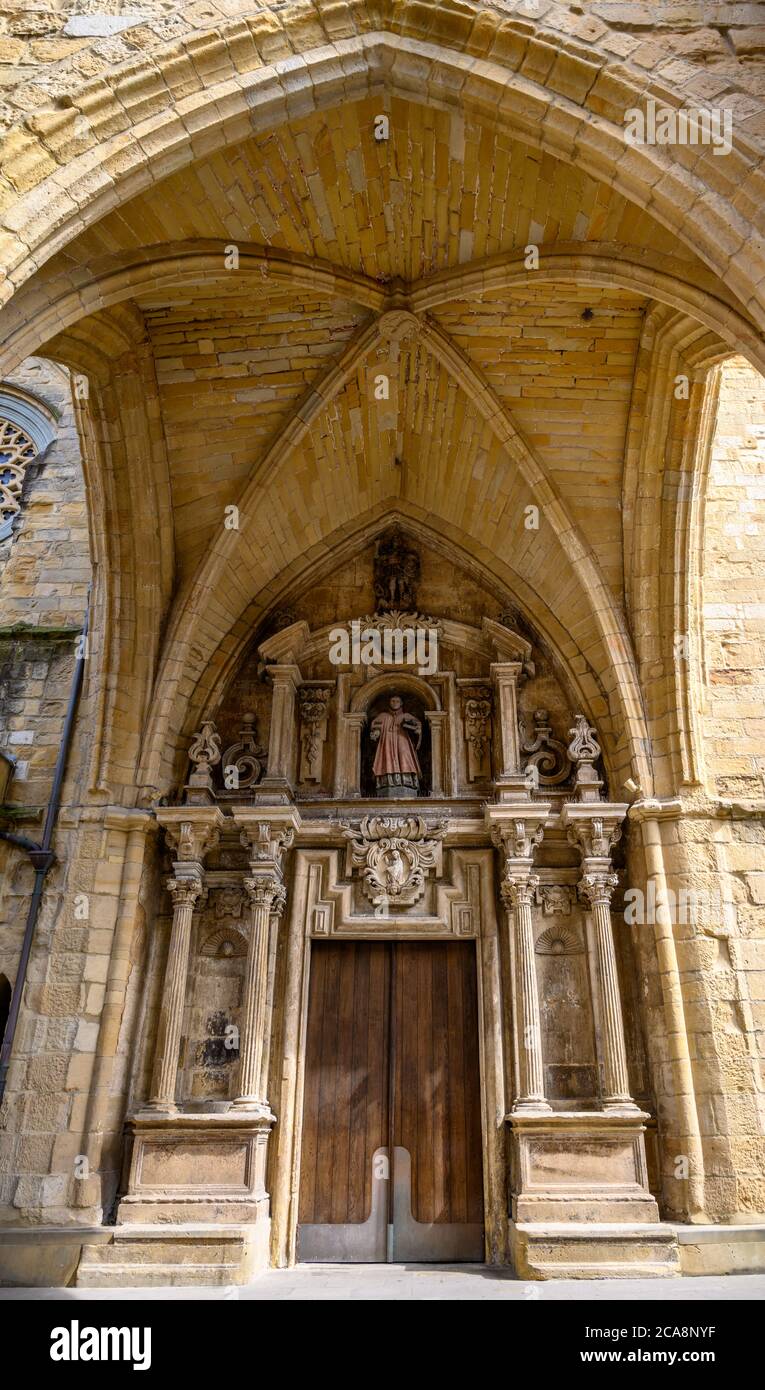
{"x": 420, "y": 699}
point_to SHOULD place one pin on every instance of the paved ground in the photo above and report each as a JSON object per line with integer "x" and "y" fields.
{"x": 423, "y": 1282}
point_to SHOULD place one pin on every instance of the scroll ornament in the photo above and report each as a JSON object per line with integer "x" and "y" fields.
{"x": 548, "y": 755}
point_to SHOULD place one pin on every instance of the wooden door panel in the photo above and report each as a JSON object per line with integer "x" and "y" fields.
{"x": 392, "y": 1035}
{"x": 437, "y": 1114}
{"x": 345, "y": 1115}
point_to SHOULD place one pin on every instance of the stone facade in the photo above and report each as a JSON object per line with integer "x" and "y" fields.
{"x": 279, "y": 282}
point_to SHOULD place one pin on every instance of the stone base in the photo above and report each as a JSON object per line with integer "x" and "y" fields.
{"x": 721, "y": 1249}
{"x": 183, "y": 1256}
{"x": 196, "y": 1168}
{"x": 44, "y": 1257}
{"x": 580, "y": 1166}
{"x": 594, "y": 1251}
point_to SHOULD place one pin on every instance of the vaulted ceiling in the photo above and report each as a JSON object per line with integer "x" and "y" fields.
{"x": 236, "y": 319}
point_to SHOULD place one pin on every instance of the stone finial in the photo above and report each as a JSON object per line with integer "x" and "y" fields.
{"x": 584, "y": 751}
{"x": 204, "y": 753}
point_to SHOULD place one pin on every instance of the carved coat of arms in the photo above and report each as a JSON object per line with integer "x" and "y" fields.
{"x": 395, "y": 855}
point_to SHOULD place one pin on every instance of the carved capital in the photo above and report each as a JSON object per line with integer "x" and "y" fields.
{"x": 186, "y": 889}
{"x": 518, "y": 890}
{"x": 597, "y": 885}
{"x": 191, "y": 831}
{"x": 269, "y": 844}
{"x": 518, "y": 838}
{"x": 268, "y": 891}
{"x": 594, "y": 834}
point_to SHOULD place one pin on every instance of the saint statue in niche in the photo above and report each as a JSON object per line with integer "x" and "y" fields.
{"x": 398, "y": 735}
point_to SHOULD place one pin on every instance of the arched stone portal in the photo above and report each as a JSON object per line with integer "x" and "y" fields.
{"x": 387, "y": 390}
{"x": 504, "y": 844}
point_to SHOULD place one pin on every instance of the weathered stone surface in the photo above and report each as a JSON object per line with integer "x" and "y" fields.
{"x": 204, "y": 241}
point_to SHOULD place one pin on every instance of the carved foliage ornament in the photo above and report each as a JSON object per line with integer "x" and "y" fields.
{"x": 476, "y": 709}
{"x": 204, "y": 752}
{"x": 314, "y": 703}
{"x": 395, "y": 854}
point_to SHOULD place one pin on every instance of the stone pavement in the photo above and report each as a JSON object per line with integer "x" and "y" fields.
{"x": 359, "y": 1283}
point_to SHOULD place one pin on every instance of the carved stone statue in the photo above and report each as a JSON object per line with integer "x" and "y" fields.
{"x": 398, "y": 735}
{"x": 396, "y": 573}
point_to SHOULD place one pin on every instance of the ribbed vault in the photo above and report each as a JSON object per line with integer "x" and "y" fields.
{"x": 252, "y": 384}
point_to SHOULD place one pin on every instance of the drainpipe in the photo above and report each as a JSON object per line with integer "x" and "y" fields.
{"x": 648, "y": 813}
{"x": 42, "y": 857}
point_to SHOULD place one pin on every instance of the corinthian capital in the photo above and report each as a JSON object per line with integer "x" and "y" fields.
{"x": 266, "y": 891}
{"x": 186, "y": 888}
{"x": 597, "y": 885}
{"x": 518, "y": 890}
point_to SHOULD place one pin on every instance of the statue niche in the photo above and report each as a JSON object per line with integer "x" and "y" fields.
{"x": 396, "y": 754}
{"x": 396, "y": 574}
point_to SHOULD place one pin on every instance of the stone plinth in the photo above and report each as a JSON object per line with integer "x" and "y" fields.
{"x": 201, "y": 1168}
{"x": 580, "y": 1167}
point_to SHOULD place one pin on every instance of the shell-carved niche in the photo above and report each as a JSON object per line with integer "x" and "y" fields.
{"x": 225, "y": 943}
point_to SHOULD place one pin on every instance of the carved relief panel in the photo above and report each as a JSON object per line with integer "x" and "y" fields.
{"x": 212, "y": 1019}
{"x": 565, "y": 1001}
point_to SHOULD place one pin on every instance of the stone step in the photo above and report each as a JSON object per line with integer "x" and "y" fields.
{"x": 150, "y": 1256}
{"x": 594, "y": 1251}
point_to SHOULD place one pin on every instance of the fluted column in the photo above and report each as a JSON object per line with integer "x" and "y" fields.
{"x": 517, "y": 834}
{"x": 596, "y": 887}
{"x": 595, "y": 827}
{"x": 267, "y": 896}
{"x": 185, "y": 889}
{"x": 191, "y": 831}
{"x": 267, "y": 836}
{"x": 517, "y": 894}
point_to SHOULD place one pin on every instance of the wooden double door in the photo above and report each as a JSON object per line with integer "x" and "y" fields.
{"x": 391, "y": 1164}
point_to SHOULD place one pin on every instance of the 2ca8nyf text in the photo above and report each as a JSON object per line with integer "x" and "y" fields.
{"x": 616, "y": 1333}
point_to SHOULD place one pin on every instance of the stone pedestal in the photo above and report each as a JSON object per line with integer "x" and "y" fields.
{"x": 580, "y": 1166}
{"x": 203, "y": 1168}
